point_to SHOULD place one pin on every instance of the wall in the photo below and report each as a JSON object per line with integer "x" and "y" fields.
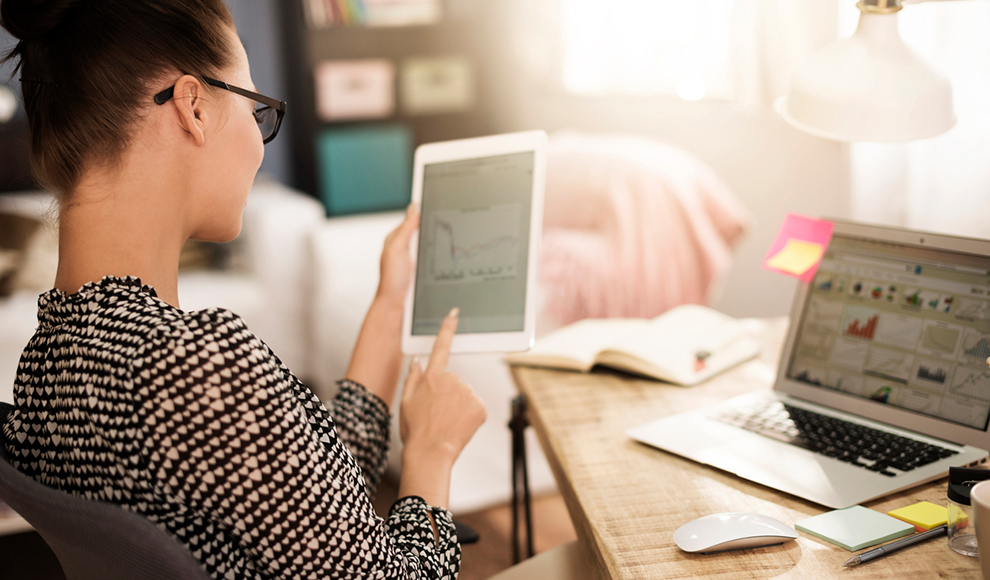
{"x": 7, "y": 42}
{"x": 257, "y": 25}
{"x": 771, "y": 166}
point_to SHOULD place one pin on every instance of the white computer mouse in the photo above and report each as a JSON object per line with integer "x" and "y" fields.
{"x": 731, "y": 531}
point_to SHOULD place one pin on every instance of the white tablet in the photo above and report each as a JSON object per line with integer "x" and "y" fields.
{"x": 481, "y": 215}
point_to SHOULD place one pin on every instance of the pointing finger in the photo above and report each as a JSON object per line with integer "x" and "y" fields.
{"x": 412, "y": 379}
{"x": 441, "y": 348}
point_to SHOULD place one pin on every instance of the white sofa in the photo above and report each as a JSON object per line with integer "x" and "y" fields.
{"x": 270, "y": 292}
{"x": 345, "y": 253}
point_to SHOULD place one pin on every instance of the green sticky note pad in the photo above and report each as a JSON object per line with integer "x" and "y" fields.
{"x": 855, "y": 528}
{"x": 365, "y": 169}
{"x": 924, "y": 515}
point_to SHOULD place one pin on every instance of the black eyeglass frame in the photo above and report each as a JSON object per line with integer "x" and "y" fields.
{"x": 278, "y": 106}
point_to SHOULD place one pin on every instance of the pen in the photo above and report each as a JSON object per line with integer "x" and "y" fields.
{"x": 700, "y": 357}
{"x": 898, "y": 545}
{"x": 702, "y": 354}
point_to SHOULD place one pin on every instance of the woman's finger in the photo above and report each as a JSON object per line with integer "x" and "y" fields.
{"x": 408, "y": 227}
{"x": 441, "y": 348}
{"x": 412, "y": 215}
{"x": 412, "y": 379}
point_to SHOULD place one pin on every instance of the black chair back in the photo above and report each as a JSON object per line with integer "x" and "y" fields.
{"x": 94, "y": 540}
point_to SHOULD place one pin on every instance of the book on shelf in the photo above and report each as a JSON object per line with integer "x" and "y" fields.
{"x": 328, "y": 13}
{"x": 685, "y": 346}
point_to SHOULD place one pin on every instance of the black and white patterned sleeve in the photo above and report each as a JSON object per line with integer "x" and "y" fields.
{"x": 361, "y": 421}
{"x": 227, "y": 437}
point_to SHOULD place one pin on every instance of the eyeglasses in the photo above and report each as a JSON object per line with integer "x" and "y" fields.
{"x": 268, "y": 114}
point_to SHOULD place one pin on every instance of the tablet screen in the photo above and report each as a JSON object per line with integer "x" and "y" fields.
{"x": 474, "y": 244}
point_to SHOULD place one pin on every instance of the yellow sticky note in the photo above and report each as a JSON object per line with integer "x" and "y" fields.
{"x": 924, "y": 515}
{"x": 796, "y": 257}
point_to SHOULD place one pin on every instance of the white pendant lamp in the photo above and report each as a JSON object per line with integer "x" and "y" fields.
{"x": 869, "y": 87}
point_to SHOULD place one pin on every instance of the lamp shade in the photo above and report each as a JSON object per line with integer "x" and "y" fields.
{"x": 869, "y": 87}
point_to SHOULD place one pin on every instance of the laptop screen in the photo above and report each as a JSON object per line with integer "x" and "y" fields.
{"x": 905, "y": 326}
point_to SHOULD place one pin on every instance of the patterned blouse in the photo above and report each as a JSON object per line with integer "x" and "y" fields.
{"x": 190, "y": 420}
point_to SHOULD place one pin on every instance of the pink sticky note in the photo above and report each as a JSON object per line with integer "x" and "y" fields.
{"x": 799, "y": 246}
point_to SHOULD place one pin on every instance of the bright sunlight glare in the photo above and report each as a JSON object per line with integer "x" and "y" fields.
{"x": 648, "y": 47}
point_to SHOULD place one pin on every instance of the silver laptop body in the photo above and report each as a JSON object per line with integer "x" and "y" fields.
{"x": 893, "y": 334}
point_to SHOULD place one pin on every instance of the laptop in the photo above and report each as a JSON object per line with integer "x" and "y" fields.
{"x": 883, "y": 382}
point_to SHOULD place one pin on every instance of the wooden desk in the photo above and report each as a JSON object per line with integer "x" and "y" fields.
{"x": 626, "y": 499}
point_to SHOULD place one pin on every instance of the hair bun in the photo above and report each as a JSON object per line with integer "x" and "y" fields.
{"x": 30, "y": 19}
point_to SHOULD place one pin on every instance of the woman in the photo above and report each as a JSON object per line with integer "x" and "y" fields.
{"x": 139, "y": 120}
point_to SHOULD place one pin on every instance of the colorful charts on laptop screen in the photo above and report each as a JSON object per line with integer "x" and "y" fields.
{"x": 474, "y": 244}
{"x": 908, "y": 327}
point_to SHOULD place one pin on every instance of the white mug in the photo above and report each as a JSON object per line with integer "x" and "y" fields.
{"x": 980, "y": 500}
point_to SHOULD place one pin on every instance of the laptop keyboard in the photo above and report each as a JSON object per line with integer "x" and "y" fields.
{"x": 879, "y": 451}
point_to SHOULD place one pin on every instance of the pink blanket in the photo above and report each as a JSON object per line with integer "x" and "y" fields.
{"x": 632, "y": 228}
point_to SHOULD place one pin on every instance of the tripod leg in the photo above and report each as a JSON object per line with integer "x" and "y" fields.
{"x": 515, "y": 500}
{"x": 527, "y": 501}
{"x": 520, "y": 479}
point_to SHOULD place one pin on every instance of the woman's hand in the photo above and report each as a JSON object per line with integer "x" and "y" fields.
{"x": 396, "y": 264}
{"x": 439, "y": 414}
{"x": 377, "y": 359}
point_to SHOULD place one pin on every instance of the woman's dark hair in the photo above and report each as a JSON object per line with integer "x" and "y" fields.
{"x": 88, "y": 66}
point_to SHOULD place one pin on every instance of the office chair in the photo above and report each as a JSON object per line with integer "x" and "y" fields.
{"x": 94, "y": 540}
{"x": 100, "y": 541}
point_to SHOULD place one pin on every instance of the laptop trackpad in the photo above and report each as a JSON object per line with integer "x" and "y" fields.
{"x": 754, "y": 457}
{"x": 805, "y": 474}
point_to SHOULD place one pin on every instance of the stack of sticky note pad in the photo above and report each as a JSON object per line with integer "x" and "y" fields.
{"x": 923, "y": 515}
{"x": 855, "y": 528}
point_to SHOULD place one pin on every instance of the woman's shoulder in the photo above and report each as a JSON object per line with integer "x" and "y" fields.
{"x": 124, "y": 306}
{"x": 174, "y": 324}
{"x": 120, "y": 325}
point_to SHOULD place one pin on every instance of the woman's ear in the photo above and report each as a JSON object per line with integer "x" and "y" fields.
{"x": 190, "y": 107}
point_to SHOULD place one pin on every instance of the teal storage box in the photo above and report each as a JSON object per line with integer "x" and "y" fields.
{"x": 365, "y": 169}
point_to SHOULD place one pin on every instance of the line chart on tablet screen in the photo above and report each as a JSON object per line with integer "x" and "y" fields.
{"x": 473, "y": 244}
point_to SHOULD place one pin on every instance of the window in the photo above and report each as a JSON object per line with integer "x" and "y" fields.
{"x": 648, "y": 47}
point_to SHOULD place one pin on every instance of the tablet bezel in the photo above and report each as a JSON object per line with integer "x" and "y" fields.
{"x": 466, "y": 149}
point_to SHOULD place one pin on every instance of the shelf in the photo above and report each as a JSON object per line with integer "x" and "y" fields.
{"x": 322, "y": 14}
{"x": 458, "y": 34}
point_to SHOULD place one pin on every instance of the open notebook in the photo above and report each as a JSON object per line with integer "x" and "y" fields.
{"x": 685, "y": 345}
